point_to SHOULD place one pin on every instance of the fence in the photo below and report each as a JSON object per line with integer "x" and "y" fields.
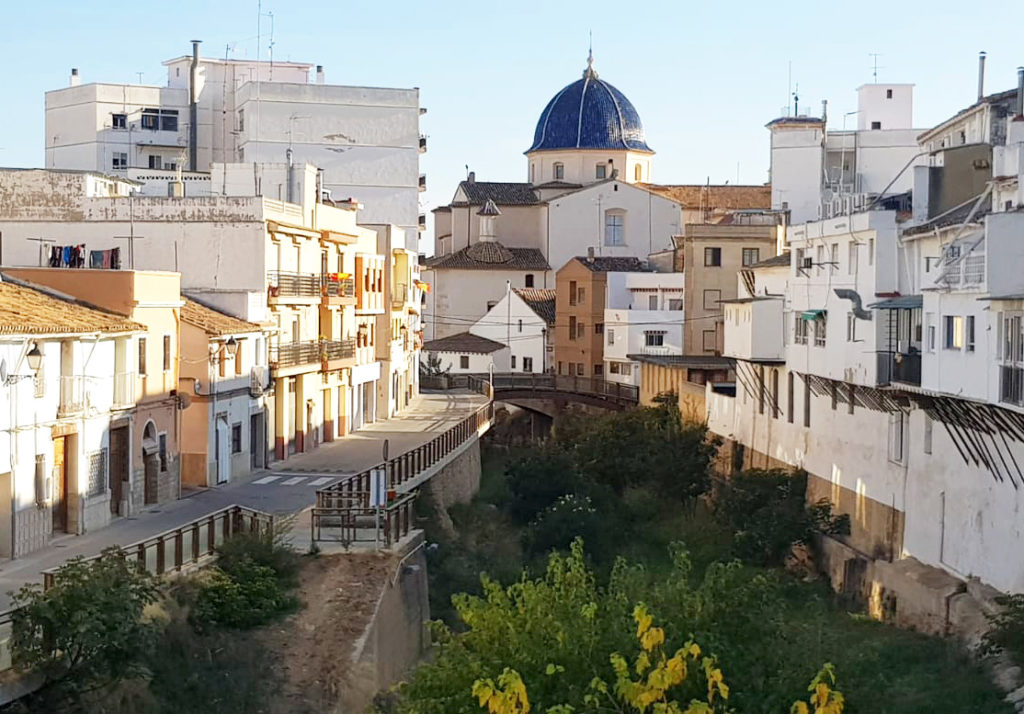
{"x": 593, "y": 386}
{"x": 345, "y": 506}
{"x": 288, "y": 284}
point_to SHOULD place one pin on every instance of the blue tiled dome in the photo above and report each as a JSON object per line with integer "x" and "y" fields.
{"x": 589, "y": 114}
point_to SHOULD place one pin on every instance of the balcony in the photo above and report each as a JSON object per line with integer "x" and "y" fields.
{"x": 336, "y": 354}
{"x": 295, "y": 354}
{"x": 72, "y": 395}
{"x": 337, "y": 291}
{"x": 285, "y": 286}
{"x": 1011, "y": 384}
{"x": 899, "y": 367}
{"x": 754, "y": 329}
{"x": 423, "y": 182}
{"x": 124, "y": 389}
{"x": 399, "y": 295}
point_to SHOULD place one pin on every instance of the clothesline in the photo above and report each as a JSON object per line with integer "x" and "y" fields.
{"x": 74, "y": 256}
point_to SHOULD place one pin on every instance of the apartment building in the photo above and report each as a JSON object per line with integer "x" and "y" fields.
{"x": 68, "y": 381}
{"x": 643, "y": 316}
{"x": 210, "y": 111}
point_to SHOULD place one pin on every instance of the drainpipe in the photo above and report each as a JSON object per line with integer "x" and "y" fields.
{"x": 291, "y": 176}
{"x": 193, "y": 108}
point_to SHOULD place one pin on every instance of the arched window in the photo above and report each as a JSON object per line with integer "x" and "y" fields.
{"x": 558, "y": 171}
{"x": 615, "y": 227}
{"x": 638, "y": 172}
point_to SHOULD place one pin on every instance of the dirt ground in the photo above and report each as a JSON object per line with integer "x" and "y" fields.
{"x": 312, "y": 649}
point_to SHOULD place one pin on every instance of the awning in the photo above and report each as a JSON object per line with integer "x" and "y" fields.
{"x": 903, "y": 302}
{"x": 813, "y": 314}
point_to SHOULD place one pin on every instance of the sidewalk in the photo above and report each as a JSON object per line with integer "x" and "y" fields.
{"x": 428, "y": 416}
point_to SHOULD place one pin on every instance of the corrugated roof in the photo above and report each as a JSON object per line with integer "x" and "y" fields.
{"x": 898, "y": 302}
{"x": 724, "y": 198}
{"x": 490, "y": 255}
{"x": 613, "y": 264}
{"x": 214, "y": 322}
{"x": 26, "y": 309}
{"x": 952, "y": 217}
{"x": 463, "y": 342}
{"x": 541, "y": 301}
{"x": 503, "y": 193}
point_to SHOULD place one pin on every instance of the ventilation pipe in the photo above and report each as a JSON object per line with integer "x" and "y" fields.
{"x": 291, "y": 176}
{"x": 981, "y": 75}
{"x": 75, "y": 79}
{"x": 1020, "y": 91}
{"x": 193, "y": 108}
{"x": 319, "y": 74}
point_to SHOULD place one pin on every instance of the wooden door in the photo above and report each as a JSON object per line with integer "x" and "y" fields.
{"x": 119, "y": 466}
{"x": 60, "y": 487}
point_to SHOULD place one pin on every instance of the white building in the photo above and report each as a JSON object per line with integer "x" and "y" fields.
{"x": 817, "y": 172}
{"x": 466, "y": 353}
{"x": 523, "y": 320}
{"x": 365, "y": 139}
{"x": 67, "y": 415}
{"x": 643, "y": 316}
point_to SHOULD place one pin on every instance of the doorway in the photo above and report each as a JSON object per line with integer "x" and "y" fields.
{"x": 223, "y": 446}
{"x": 256, "y": 441}
{"x": 151, "y": 463}
{"x": 59, "y": 508}
{"x": 119, "y": 463}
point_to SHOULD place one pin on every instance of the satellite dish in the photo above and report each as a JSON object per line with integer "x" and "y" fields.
{"x": 3, "y": 370}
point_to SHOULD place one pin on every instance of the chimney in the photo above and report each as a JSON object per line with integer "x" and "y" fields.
{"x": 472, "y": 177}
{"x": 193, "y": 108}
{"x": 75, "y": 79}
{"x": 590, "y": 254}
{"x": 824, "y": 111}
{"x": 1020, "y": 91}
{"x": 319, "y": 74}
{"x": 981, "y": 75}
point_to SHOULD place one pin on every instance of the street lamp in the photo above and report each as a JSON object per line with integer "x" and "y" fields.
{"x": 231, "y": 347}
{"x": 35, "y": 358}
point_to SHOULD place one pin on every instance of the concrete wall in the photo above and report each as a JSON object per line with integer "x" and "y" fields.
{"x": 458, "y": 298}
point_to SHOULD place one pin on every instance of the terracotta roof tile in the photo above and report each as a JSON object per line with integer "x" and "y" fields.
{"x": 722, "y": 198}
{"x": 463, "y": 342}
{"x": 490, "y": 255}
{"x": 613, "y": 264}
{"x": 214, "y": 322}
{"x": 26, "y": 309}
{"x": 541, "y": 301}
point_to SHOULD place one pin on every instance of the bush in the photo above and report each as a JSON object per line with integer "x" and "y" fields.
{"x": 88, "y": 630}
{"x": 571, "y": 516}
{"x": 536, "y": 480}
{"x": 248, "y": 596}
{"x": 269, "y": 550}
{"x": 1006, "y": 633}
{"x": 767, "y": 512}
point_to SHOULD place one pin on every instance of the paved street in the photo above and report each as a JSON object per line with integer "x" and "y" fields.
{"x": 286, "y": 488}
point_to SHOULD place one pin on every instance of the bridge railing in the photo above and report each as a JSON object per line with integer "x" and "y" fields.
{"x": 445, "y": 382}
{"x": 594, "y": 386}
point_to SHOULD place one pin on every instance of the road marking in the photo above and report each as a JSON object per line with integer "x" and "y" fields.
{"x": 293, "y": 481}
{"x": 321, "y": 481}
{"x": 266, "y": 479}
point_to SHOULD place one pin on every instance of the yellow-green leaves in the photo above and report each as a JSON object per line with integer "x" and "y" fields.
{"x": 507, "y": 697}
{"x": 824, "y": 699}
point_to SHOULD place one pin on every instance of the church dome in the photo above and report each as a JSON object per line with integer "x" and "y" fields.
{"x": 589, "y": 114}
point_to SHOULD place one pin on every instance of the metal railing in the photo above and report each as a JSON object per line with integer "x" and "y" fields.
{"x": 338, "y": 349}
{"x": 899, "y": 367}
{"x": 506, "y": 382}
{"x": 286, "y": 284}
{"x": 342, "y": 287}
{"x": 72, "y": 395}
{"x": 1011, "y": 384}
{"x": 124, "y": 389}
{"x": 290, "y": 354}
{"x": 343, "y": 508}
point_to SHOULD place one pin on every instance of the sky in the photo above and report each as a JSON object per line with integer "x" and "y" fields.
{"x": 704, "y": 77}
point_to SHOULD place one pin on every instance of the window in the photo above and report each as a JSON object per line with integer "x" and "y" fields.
{"x": 155, "y": 162}
{"x": 527, "y": 364}
{"x": 241, "y": 120}
{"x": 598, "y": 370}
{"x": 751, "y": 256}
{"x": 528, "y": 280}
{"x": 150, "y": 119}
{"x": 599, "y": 328}
{"x": 611, "y": 337}
{"x": 775, "y": 394}
{"x": 930, "y": 331}
{"x": 97, "y": 473}
{"x": 876, "y": 125}
{"x": 579, "y": 369}
{"x": 799, "y": 260}
{"x": 713, "y": 300}
{"x": 167, "y": 352}
{"x": 820, "y": 328}
{"x": 712, "y": 257}
{"x": 572, "y": 292}
{"x": 833, "y": 258}
{"x": 614, "y": 228}
{"x": 851, "y": 258}
{"x": 559, "y": 367}
{"x": 625, "y": 369}
{"x": 638, "y": 173}
{"x": 513, "y": 361}
{"x": 709, "y": 340}
{"x": 675, "y": 304}
{"x": 581, "y": 330}
{"x": 572, "y": 327}
{"x": 520, "y": 326}
{"x": 800, "y": 330}
{"x": 142, "y": 356}
{"x": 599, "y": 171}
{"x": 163, "y": 451}
{"x": 162, "y": 119}
{"x": 789, "y": 397}
{"x": 613, "y": 367}
{"x": 236, "y": 438}
{"x": 558, "y": 171}
{"x": 654, "y": 338}
{"x": 581, "y": 294}
{"x": 897, "y": 436}
{"x": 652, "y": 302}
{"x": 807, "y": 401}
{"x": 463, "y": 361}
{"x": 119, "y": 160}
{"x": 952, "y": 332}
{"x": 851, "y": 327}
{"x": 119, "y": 121}
{"x": 168, "y": 120}
{"x": 969, "y": 343}
{"x": 888, "y": 94}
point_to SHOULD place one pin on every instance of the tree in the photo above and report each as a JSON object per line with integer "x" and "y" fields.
{"x": 88, "y": 630}
{"x": 431, "y": 367}
{"x": 537, "y": 479}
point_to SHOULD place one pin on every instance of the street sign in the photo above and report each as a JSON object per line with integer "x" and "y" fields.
{"x": 378, "y": 487}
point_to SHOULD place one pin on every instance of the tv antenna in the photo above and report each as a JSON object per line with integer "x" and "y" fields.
{"x": 874, "y": 66}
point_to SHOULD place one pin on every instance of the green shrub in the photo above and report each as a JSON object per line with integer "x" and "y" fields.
{"x": 1006, "y": 633}
{"x": 267, "y": 549}
{"x": 537, "y": 479}
{"x": 248, "y": 596}
{"x": 570, "y": 517}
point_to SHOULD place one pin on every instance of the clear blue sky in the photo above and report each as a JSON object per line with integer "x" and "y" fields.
{"x": 705, "y": 77}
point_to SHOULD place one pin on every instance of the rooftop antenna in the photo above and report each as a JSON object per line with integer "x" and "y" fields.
{"x": 270, "y": 47}
{"x": 796, "y": 100}
{"x": 874, "y": 66}
{"x": 140, "y": 76}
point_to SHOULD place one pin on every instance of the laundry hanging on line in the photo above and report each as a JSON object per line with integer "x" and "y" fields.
{"x": 105, "y": 259}
{"x": 67, "y": 256}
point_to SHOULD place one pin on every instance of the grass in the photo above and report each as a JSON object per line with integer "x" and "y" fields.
{"x": 881, "y": 669}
